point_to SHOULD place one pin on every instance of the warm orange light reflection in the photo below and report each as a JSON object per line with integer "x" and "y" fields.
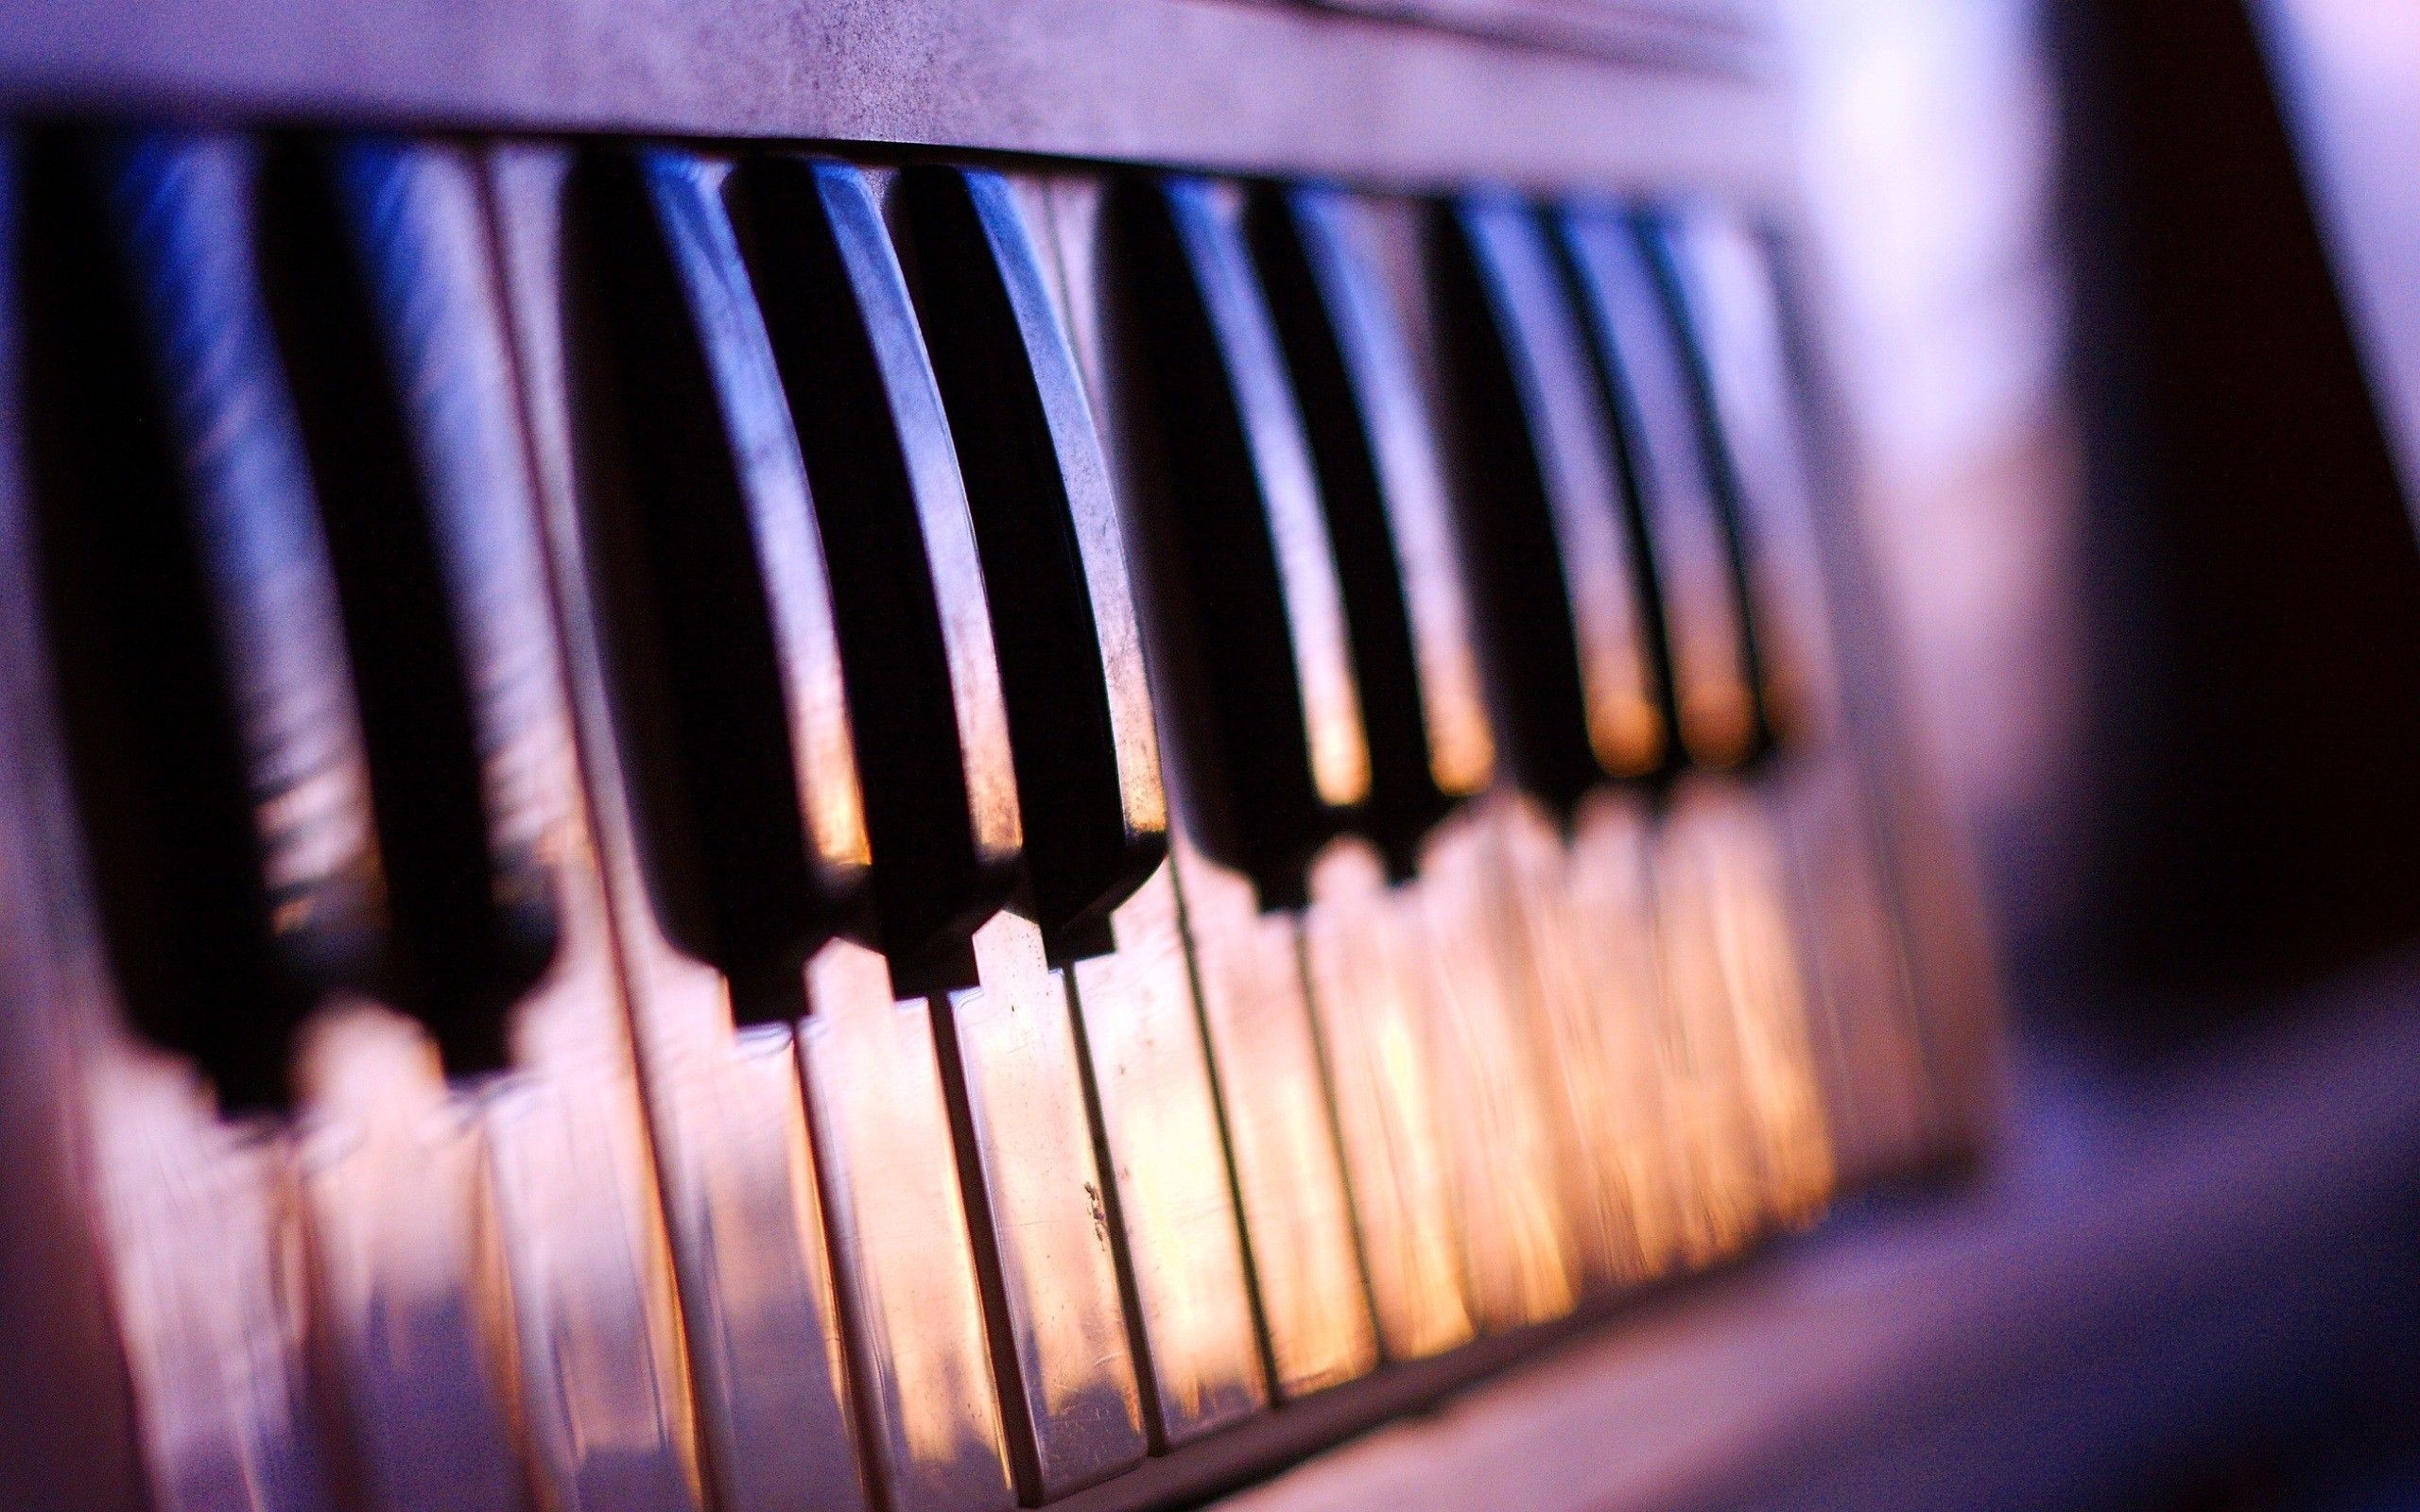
{"x": 1257, "y": 1020}
{"x": 1010, "y": 1052}
{"x": 1717, "y": 720}
{"x": 1506, "y": 1175}
{"x": 892, "y": 1198}
{"x": 1331, "y": 710}
{"x": 1461, "y": 738}
{"x": 836, "y": 818}
{"x": 1376, "y": 1033}
{"x": 1775, "y": 1113}
{"x": 1159, "y": 1126}
{"x": 1586, "y": 916}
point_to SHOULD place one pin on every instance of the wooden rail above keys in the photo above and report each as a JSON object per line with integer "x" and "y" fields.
{"x": 1233, "y": 86}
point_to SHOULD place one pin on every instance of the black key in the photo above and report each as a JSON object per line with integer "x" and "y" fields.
{"x": 1054, "y": 563}
{"x": 906, "y": 578}
{"x": 441, "y": 597}
{"x": 1718, "y": 292}
{"x": 1382, "y": 486}
{"x": 1683, "y": 534}
{"x": 1250, "y": 578}
{"x": 711, "y": 578}
{"x": 1570, "y": 641}
{"x": 207, "y": 699}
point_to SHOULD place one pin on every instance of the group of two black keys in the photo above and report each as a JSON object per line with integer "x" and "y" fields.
{"x": 297, "y": 761}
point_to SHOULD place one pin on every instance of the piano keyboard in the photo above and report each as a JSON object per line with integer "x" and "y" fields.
{"x": 772, "y": 832}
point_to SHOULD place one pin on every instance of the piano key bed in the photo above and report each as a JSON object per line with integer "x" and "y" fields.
{"x": 768, "y": 830}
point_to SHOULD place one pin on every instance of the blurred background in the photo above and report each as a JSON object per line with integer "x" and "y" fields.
{"x": 2127, "y": 301}
{"x": 1930, "y": 134}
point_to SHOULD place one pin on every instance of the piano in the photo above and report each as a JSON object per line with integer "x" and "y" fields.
{"x": 926, "y": 756}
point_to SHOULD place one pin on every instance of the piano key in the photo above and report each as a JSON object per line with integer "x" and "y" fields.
{"x": 1170, "y": 1172}
{"x": 1578, "y": 684}
{"x": 1751, "y": 1105}
{"x": 1308, "y": 1281}
{"x": 1685, "y": 545}
{"x": 1532, "y": 1212}
{"x": 376, "y": 257}
{"x": 142, "y": 336}
{"x": 1013, "y": 1065}
{"x": 942, "y": 802}
{"x": 469, "y": 906}
{"x": 1689, "y": 571}
{"x": 1232, "y": 522}
{"x": 1088, "y": 782}
{"x": 1382, "y": 496}
{"x": 653, "y": 399}
{"x": 1543, "y": 490}
{"x": 940, "y": 796}
{"x": 1573, "y": 924}
{"x": 54, "y": 993}
{"x": 1718, "y": 291}
{"x": 1716, "y": 296}
{"x": 1038, "y": 495}
{"x": 261, "y": 568}
{"x": 1283, "y": 712}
